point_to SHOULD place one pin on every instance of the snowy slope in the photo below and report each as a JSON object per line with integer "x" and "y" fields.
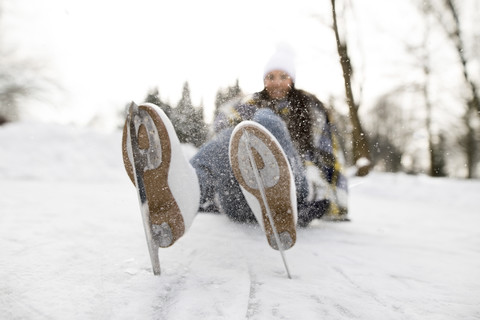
{"x": 72, "y": 246}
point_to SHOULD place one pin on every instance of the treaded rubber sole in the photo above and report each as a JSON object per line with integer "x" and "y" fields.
{"x": 276, "y": 176}
{"x": 165, "y": 217}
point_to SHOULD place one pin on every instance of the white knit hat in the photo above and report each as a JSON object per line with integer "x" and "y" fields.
{"x": 283, "y": 59}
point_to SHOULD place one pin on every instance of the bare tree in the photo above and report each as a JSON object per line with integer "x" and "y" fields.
{"x": 448, "y": 16}
{"x": 423, "y": 57}
{"x": 20, "y": 79}
{"x": 361, "y": 149}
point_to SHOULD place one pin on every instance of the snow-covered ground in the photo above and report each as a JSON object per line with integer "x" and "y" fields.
{"x": 72, "y": 246}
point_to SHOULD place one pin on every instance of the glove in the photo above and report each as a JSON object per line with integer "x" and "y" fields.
{"x": 318, "y": 187}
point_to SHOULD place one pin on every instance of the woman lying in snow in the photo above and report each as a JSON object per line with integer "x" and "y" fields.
{"x": 275, "y": 153}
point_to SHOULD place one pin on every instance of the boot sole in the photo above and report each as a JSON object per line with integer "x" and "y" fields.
{"x": 276, "y": 176}
{"x": 166, "y": 220}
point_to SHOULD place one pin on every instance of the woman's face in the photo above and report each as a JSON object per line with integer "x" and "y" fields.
{"x": 277, "y": 83}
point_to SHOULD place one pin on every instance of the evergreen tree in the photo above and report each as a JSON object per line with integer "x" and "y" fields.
{"x": 228, "y": 94}
{"x": 188, "y": 122}
{"x": 154, "y": 97}
{"x": 199, "y": 130}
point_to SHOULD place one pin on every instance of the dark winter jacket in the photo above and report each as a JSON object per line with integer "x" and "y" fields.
{"x": 311, "y": 130}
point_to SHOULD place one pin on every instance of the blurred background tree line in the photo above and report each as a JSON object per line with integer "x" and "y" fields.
{"x": 187, "y": 119}
{"x": 424, "y": 125}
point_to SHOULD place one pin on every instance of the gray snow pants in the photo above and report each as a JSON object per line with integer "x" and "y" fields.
{"x": 216, "y": 177}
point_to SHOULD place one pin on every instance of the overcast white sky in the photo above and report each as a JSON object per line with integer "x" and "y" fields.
{"x": 106, "y": 53}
